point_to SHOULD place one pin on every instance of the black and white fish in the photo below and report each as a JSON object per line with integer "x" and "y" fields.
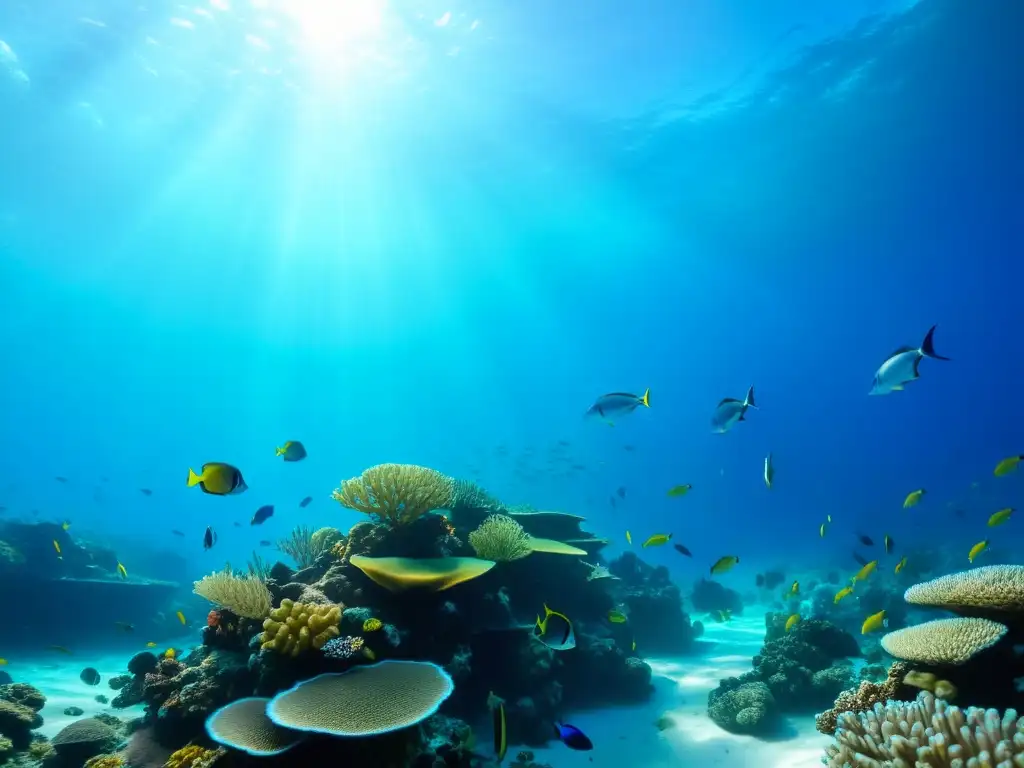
{"x": 730, "y": 411}
{"x": 900, "y": 367}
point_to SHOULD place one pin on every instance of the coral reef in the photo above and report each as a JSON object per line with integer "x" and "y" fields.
{"x": 500, "y": 538}
{"x": 709, "y": 596}
{"x": 863, "y": 698}
{"x": 745, "y": 708}
{"x": 296, "y": 627}
{"x": 653, "y": 603}
{"x": 245, "y": 596}
{"x": 396, "y": 494}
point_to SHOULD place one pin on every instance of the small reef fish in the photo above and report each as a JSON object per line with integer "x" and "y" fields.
{"x": 621, "y": 492}
{"x": 1008, "y": 465}
{"x": 262, "y": 514}
{"x": 616, "y": 617}
{"x": 731, "y": 411}
{"x": 176, "y": 532}
{"x": 769, "y": 471}
{"x": 181, "y": 617}
{"x": 844, "y": 592}
{"x": 56, "y": 546}
{"x": 122, "y": 571}
{"x": 292, "y": 450}
{"x": 679, "y": 490}
{"x": 65, "y": 525}
{"x": 500, "y": 733}
{"x": 125, "y": 626}
{"x": 237, "y": 524}
{"x": 900, "y": 367}
{"x": 900, "y": 565}
{"x": 860, "y": 559}
{"x": 60, "y": 649}
{"x": 721, "y": 616}
{"x": 682, "y": 550}
{"x": 145, "y": 491}
{"x": 555, "y": 631}
{"x": 573, "y": 737}
{"x": 218, "y": 479}
{"x": 618, "y": 404}
{"x": 60, "y": 479}
{"x": 170, "y": 653}
{"x": 792, "y": 621}
{"x": 305, "y": 502}
{"x": 1000, "y": 517}
{"x": 821, "y": 530}
{"x": 866, "y": 571}
{"x": 976, "y": 550}
{"x": 794, "y": 589}
{"x": 874, "y": 622}
{"x": 634, "y": 646}
{"x": 657, "y": 540}
{"x": 866, "y": 541}
{"x": 629, "y": 538}
{"x": 151, "y": 644}
{"x": 209, "y": 538}
{"x": 888, "y": 544}
{"x": 3, "y": 662}
{"x": 89, "y": 676}
{"x": 265, "y": 542}
{"x": 724, "y": 564}
{"x": 913, "y": 498}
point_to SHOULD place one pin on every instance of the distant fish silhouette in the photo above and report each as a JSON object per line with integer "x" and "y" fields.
{"x": 145, "y": 491}
{"x": 305, "y": 502}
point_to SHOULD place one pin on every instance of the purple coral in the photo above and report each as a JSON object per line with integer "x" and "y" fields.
{"x": 342, "y": 647}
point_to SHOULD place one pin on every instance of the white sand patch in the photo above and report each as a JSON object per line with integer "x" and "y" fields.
{"x": 627, "y": 737}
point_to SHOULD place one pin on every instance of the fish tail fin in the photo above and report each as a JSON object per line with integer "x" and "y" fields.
{"x": 646, "y": 399}
{"x": 279, "y": 451}
{"x": 928, "y": 347}
{"x": 193, "y": 478}
{"x": 748, "y": 401}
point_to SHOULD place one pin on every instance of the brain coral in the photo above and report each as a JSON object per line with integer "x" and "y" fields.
{"x": 926, "y": 732}
{"x": 943, "y": 641}
{"x": 500, "y": 538}
{"x": 978, "y": 591}
{"x": 296, "y": 627}
{"x": 396, "y": 493}
{"x": 244, "y": 725}
{"x": 364, "y": 701}
{"x": 748, "y": 708}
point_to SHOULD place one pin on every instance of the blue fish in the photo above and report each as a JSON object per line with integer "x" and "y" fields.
{"x": 573, "y": 737}
{"x": 731, "y": 411}
{"x": 618, "y": 403}
{"x": 262, "y": 514}
{"x": 305, "y": 501}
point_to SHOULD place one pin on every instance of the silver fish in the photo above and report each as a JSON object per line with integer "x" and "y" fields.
{"x": 901, "y": 366}
{"x": 769, "y": 471}
{"x": 618, "y": 403}
{"x": 730, "y": 411}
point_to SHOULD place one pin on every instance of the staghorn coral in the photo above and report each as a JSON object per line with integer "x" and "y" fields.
{"x": 398, "y": 494}
{"x": 500, "y": 538}
{"x": 296, "y": 627}
{"x": 943, "y": 641}
{"x": 863, "y": 698}
{"x": 246, "y": 596}
{"x": 193, "y": 756}
{"x": 928, "y": 733}
{"x": 985, "y": 591}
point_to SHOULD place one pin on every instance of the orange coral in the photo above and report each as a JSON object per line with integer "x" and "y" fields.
{"x": 863, "y": 698}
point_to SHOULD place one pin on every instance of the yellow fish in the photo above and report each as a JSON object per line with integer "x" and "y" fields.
{"x": 151, "y": 644}
{"x": 866, "y": 571}
{"x": 821, "y": 530}
{"x": 57, "y": 547}
{"x": 680, "y": 490}
{"x": 792, "y": 621}
{"x": 629, "y": 538}
{"x": 60, "y": 649}
{"x": 657, "y": 540}
{"x": 874, "y": 622}
{"x": 944, "y": 690}
{"x": 634, "y": 645}
{"x": 900, "y": 565}
{"x": 1006, "y": 466}
{"x": 616, "y": 617}
{"x": 66, "y": 524}
{"x": 1000, "y": 517}
{"x": 794, "y": 590}
{"x": 976, "y": 550}
{"x": 122, "y": 571}
{"x": 372, "y": 625}
{"x": 3, "y": 662}
{"x": 170, "y": 653}
{"x": 181, "y": 617}
{"x": 844, "y": 592}
{"x": 913, "y": 498}
{"x": 721, "y": 616}
{"x": 368, "y": 653}
{"x": 724, "y": 564}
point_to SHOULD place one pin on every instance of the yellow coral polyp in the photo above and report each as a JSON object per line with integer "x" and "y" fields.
{"x": 104, "y": 761}
{"x": 192, "y": 756}
{"x": 296, "y": 627}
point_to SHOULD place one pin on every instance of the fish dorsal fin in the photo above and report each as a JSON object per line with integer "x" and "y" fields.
{"x": 728, "y": 400}
{"x": 619, "y": 394}
{"x": 901, "y": 350}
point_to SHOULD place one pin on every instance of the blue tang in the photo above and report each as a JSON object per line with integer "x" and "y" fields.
{"x": 573, "y": 737}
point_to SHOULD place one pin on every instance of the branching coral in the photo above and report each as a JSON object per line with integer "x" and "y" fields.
{"x": 500, "y": 538}
{"x": 244, "y": 596}
{"x": 305, "y": 546}
{"x": 193, "y": 756}
{"x": 295, "y": 627}
{"x": 396, "y": 493}
{"x": 863, "y": 698}
{"x": 927, "y": 733}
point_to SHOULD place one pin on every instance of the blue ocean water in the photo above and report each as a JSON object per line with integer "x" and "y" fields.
{"x": 435, "y": 232}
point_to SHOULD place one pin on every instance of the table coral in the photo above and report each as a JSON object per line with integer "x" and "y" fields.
{"x": 296, "y": 627}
